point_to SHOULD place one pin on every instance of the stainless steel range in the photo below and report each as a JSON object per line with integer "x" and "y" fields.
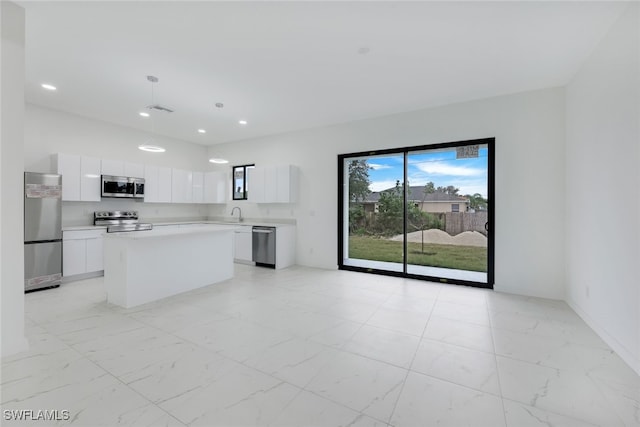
{"x": 119, "y": 221}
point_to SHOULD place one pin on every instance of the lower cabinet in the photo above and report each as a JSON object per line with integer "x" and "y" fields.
{"x": 82, "y": 252}
{"x": 95, "y": 256}
{"x": 243, "y": 245}
{"x": 74, "y": 257}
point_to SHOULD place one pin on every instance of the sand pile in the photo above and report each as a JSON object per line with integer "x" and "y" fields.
{"x": 467, "y": 238}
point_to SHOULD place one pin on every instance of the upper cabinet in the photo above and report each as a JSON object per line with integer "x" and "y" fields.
{"x": 157, "y": 184}
{"x": 273, "y": 184}
{"x": 286, "y": 184}
{"x": 81, "y": 180}
{"x": 112, "y": 167}
{"x": 90, "y": 182}
{"x": 80, "y": 177}
{"x": 181, "y": 186}
{"x": 198, "y": 187}
{"x": 121, "y": 168}
{"x": 215, "y": 187}
{"x": 133, "y": 170}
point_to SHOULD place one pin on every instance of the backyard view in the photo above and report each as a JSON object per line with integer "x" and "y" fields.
{"x": 446, "y": 210}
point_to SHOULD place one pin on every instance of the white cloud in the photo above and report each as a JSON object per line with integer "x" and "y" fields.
{"x": 442, "y": 168}
{"x": 381, "y": 185}
{"x": 377, "y": 166}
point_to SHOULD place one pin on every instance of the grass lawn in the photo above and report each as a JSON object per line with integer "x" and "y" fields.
{"x": 470, "y": 258}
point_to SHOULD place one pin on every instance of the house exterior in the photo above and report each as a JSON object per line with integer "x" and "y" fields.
{"x": 437, "y": 202}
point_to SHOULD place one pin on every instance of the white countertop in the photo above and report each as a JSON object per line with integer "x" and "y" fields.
{"x": 169, "y": 232}
{"x": 84, "y": 227}
{"x": 161, "y": 224}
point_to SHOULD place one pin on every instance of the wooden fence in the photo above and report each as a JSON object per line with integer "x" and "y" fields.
{"x": 457, "y": 222}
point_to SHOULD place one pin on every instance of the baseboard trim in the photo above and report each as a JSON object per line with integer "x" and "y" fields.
{"x": 76, "y": 277}
{"x": 621, "y": 350}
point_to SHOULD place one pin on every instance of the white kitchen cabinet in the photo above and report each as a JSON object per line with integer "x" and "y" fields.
{"x": 215, "y": 187}
{"x": 198, "y": 187}
{"x": 94, "y": 254}
{"x": 133, "y": 170}
{"x": 273, "y": 184}
{"x": 270, "y": 184}
{"x": 181, "y": 186}
{"x": 243, "y": 245}
{"x": 90, "y": 182}
{"x": 285, "y": 246}
{"x": 157, "y": 184}
{"x": 286, "y": 184}
{"x": 80, "y": 177}
{"x": 122, "y": 168}
{"x": 82, "y": 252}
{"x": 68, "y": 165}
{"x": 74, "y": 257}
{"x": 257, "y": 184}
{"x": 151, "y": 184}
{"x": 164, "y": 185}
{"x": 112, "y": 167}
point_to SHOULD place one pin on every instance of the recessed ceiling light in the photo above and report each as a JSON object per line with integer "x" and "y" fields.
{"x": 202, "y": 131}
{"x": 242, "y": 122}
{"x": 218, "y": 161}
{"x": 47, "y": 86}
{"x": 151, "y": 148}
{"x": 144, "y": 114}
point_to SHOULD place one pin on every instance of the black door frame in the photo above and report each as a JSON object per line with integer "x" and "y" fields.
{"x": 490, "y": 143}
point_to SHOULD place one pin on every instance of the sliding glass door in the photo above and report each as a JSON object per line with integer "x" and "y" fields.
{"x": 374, "y": 213}
{"x": 423, "y": 212}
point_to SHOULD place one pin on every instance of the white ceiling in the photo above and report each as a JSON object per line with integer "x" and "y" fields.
{"x": 287, "y": 66}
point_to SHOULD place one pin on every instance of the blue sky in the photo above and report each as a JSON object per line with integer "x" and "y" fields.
{"x": 441, "y": 167}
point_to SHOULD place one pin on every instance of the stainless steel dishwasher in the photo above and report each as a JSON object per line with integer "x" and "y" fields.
{"x": 264, "y": 246}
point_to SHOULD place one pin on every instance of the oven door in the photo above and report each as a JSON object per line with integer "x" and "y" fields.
{"x": 117, "y": 186}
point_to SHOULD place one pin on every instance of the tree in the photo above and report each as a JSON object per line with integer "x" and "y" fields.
{"x": 449, "y": 189}
{"x": 477, "y": 202}
{"x": 359, "y": 180}
{"x": 358, "y": 192}
{"x": 419, "y": 219}
{"x": 391, "y": 211}
{"x": 429, "y": 188}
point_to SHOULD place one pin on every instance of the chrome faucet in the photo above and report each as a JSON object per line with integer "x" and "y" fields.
{"x": 239, "y": 215}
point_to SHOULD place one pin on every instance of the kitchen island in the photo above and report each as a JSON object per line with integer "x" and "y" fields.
{"x": 145, "y": 266}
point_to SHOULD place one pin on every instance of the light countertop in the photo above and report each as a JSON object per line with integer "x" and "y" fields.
{"x": 161, "y": 232}
{"x": 165, "y": 223}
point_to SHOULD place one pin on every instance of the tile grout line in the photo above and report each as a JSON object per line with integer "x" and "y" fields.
{"x": 125, "y": 385}
{"x": 415, "y": 353}
{"x": 495, "y": 358}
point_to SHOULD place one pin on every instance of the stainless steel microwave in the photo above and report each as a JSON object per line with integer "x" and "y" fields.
{"x": 122, "y": 186}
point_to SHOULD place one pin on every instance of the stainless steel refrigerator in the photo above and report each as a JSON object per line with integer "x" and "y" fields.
{"x": 42, "y": 230}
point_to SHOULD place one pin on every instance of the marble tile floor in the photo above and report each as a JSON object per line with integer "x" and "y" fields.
{"x": 307, "y": 347}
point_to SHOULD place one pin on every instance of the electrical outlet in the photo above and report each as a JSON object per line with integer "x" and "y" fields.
{"x": 310, "y": 250}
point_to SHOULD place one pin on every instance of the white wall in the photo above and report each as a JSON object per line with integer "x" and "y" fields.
{"x": 49, "y": 131}
{"x": 530, "y": 218}
{"x": 603, "y": 164}
{"x": 11, "y": 178}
